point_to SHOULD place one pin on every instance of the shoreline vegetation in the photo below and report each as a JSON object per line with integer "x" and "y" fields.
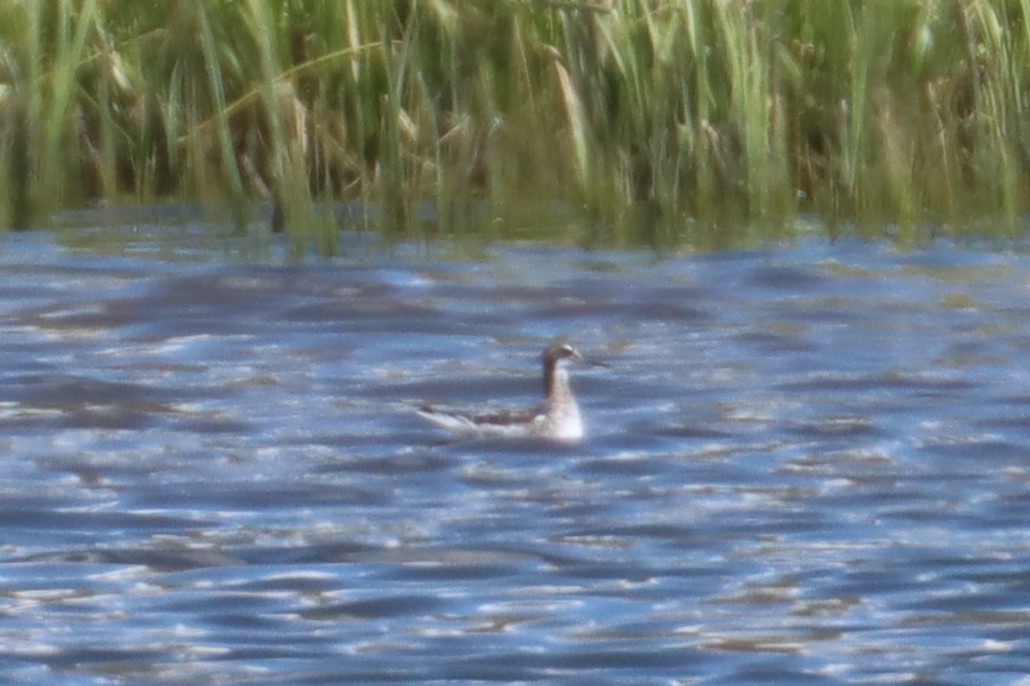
{"x": 680, "y": 116}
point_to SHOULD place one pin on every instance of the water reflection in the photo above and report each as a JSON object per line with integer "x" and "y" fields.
{"x": 807, "y": 464}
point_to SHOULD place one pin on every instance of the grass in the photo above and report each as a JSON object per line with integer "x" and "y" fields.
{"x": 654, "y": 120}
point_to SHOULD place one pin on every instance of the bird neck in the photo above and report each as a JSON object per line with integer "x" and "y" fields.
{"x": 556, "y": 382}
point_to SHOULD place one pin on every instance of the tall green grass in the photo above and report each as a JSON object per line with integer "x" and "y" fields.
{"x": 675, "y": 118}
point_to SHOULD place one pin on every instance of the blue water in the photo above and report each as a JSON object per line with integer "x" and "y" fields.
{"x": 808, "y": 464}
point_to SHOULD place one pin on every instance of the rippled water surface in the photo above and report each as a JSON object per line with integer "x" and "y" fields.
{"x": 806, "y": 465}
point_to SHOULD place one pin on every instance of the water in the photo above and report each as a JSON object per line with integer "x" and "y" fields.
{"x": 807, "y": 465}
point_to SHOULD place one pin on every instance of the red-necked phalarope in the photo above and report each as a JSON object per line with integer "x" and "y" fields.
{"x": 557, "y": 418}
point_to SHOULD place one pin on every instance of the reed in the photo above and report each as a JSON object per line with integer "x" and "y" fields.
{"x": 645, "y": 120}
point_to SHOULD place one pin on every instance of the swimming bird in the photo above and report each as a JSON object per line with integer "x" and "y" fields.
{"x": 557, "y": 418}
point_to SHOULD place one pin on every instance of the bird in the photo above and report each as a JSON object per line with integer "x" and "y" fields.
{"x": 557, "y": 418}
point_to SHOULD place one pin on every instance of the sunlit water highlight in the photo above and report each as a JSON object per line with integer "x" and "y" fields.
{"x": 807, "y": 464}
